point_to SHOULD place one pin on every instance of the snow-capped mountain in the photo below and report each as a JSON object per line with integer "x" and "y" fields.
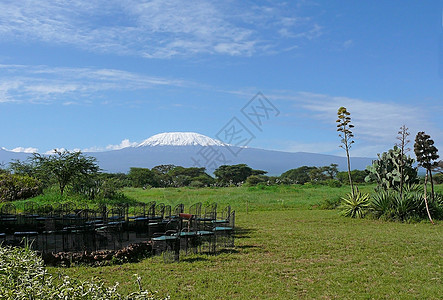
{"x": 180, "y": 139}
{"x": 189, "y": 149}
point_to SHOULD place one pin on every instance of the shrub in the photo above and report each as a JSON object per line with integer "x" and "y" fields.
{"x": 196, "y": 184}
{"x": 14, "y": 187}
{"x": 142, "y": 176}
{"x": 358, "y": 176}
{"x": 330, "y": 203}
{"x": 24, "y": 276}
{"x": 438, "y": 202}
{"x": 410, "y": 205}
{"x": 333, "y": 183}
{"x": 256, "y": 179}
{"x": 299, "y": 175}
{"x": 355, "y": 205}
{"x": 438, "y": 178}
{"x": 205, "y": 179}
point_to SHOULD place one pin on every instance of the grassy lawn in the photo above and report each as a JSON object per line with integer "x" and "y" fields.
{"x": 285, "y": 248}
{"x": 258, "y": 198}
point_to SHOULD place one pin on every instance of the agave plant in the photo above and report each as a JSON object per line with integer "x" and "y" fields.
{"x": 413, "y": 188}
{"x": 381, "y": 203}
{"x": 405, "y": 205}
{"x": 393, "y": 205}
{"x": 435, "y": 206}
{"x": 355, "y": 205}
{"x": 438, "y": 202}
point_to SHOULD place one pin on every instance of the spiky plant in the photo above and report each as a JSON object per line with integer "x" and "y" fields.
{"x": 405, "y": 205}
{"x": 381, "y": 203}
{"x": 355, "y": 205}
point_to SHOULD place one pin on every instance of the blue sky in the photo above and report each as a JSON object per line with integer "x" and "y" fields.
{"x": 96, "y": 75}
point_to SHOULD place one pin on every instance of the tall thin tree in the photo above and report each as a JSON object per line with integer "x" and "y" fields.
{"x": 402, "y": 137}
{"x": 427, "y": 156}
{"x": 347, "y": 137}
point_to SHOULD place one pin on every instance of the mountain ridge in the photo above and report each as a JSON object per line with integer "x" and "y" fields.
{"x": 190, "y": 149}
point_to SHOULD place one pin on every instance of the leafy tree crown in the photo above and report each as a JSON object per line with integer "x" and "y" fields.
{"x": 425, "y": 151}
{"x": 344, "y": 127}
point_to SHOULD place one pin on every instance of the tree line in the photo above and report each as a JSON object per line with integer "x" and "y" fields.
{"x": 80, "y": 174}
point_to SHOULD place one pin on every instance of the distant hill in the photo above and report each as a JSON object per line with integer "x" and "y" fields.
{"x": 275, "y": 162}
{"x": 189, "y": 149}
{"x": 7, "y": 156}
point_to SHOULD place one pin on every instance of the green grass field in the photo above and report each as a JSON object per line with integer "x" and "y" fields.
{"x": 257, "y": 198}
{"x": 286, "y": 248}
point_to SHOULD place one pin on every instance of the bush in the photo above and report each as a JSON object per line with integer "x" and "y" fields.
{"x": 438, "y": 202}
{"x": 196, "y": 184}
{"x": 410, "y": 205}
{"x": 330, "y": 203}
{"x": 24, "y": 276}
{"x": 205, "y": 179}
{"x": 333, "y": 183}
{"x": 438, "y": 178}
{"x": 118, "y": 199}
{"x": 15, "y": 187}
{"x": 358, "y": 176}
{"x": 256, "y": 179}
{"x": 141, "y": 177}
{"x": 299, "y": 175}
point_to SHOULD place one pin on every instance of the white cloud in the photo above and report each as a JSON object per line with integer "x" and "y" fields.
{"x": 156, "y": 29}
{"x": 49, "y": 152}
{"x": 42, "y": 84}
{"x": 123, "y": 144}
{"x": 376, "y": 123}
{"x": 23, "y": 149}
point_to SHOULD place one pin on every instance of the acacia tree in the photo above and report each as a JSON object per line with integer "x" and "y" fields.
{"x": 344, "y": 127}
{"x": 299, "y": 175}
{"x": 65, "y": 166}
{"x": 19, "y": 167}
{"x": 141, "y": 177}
{"x": 162, "y": 173}
{"x": 232, "y": 174}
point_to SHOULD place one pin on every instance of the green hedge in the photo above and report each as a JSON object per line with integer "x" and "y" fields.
{"x": 15, "y": 187}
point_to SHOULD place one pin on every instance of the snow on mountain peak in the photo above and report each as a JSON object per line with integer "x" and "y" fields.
{"x": 180, "y": 139}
